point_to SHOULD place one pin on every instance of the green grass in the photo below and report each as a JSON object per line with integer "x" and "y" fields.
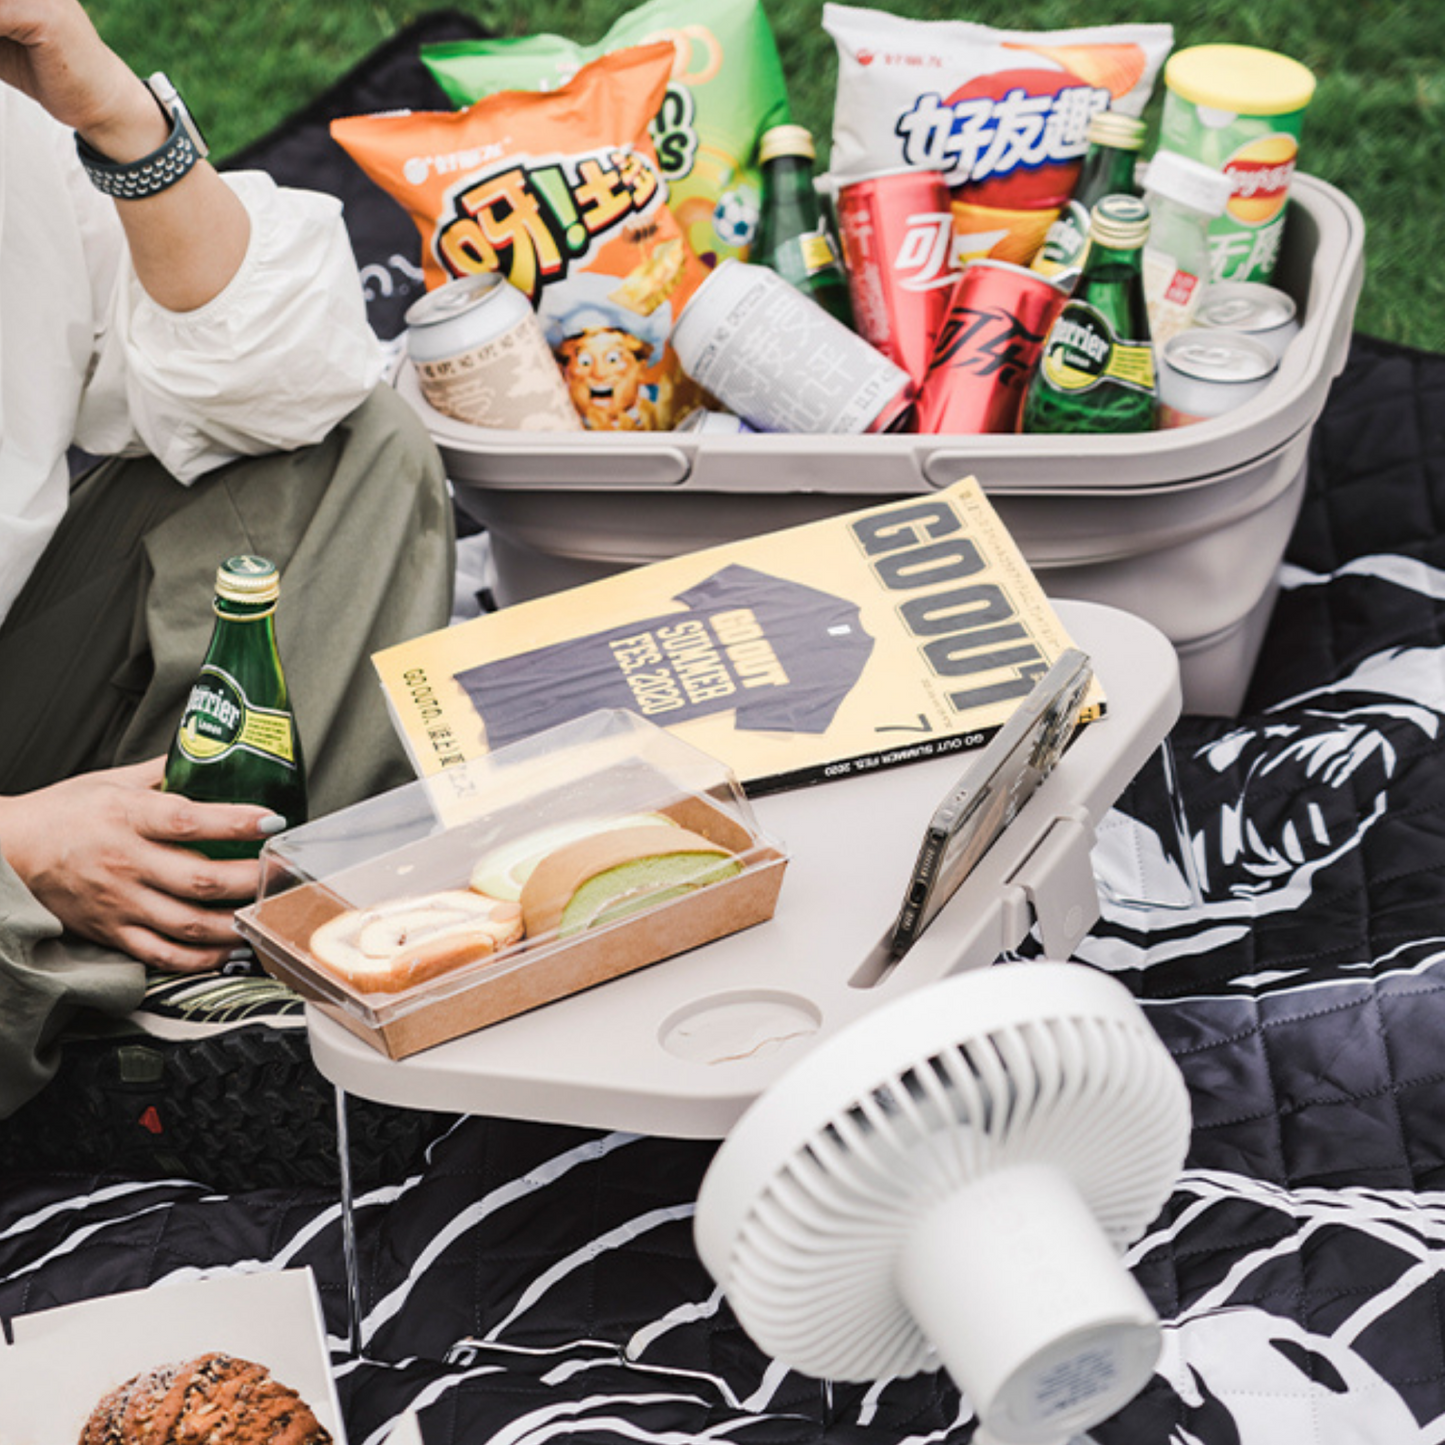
{"x": 1375, "y": 127}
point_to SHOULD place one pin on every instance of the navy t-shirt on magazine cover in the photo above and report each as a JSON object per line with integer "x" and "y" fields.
{"x": 782, "y": 655}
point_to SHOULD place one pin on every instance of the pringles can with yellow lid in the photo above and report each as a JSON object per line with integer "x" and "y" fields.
{"x": 1239, "y": 109}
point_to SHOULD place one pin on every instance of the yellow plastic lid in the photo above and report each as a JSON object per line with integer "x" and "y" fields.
{"x": 1240, "y": 79}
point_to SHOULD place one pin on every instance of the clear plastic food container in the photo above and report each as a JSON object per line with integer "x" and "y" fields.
{"x": 608, "y": 795}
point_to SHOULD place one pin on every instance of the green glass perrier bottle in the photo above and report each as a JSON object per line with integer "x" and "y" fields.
{"x": 792, "y": 236}
{"x": 1108, "y": 170}
{"x": 1096, "y": 369}
{"x": 237, "y": 740}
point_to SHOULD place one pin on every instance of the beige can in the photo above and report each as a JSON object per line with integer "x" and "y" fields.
{"x": 482, "y": 357}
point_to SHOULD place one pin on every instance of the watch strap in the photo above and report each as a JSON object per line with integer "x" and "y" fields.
{"x": 135, "y": 180}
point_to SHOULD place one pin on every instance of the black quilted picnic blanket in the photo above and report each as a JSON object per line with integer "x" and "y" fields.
{"x": 522, "y": 1282}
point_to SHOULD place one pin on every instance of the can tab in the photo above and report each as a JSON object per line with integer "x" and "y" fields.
{"x": 1057, "y": 878}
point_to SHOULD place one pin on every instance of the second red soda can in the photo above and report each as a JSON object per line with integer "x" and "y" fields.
{"x": 986, "y": 349}
{"x": 896, "y": 230}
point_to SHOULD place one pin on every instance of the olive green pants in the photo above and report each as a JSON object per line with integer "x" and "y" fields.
{"x": 102, "y": 645}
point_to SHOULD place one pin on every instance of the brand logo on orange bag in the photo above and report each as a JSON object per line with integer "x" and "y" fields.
{"x": 531, "y": 223}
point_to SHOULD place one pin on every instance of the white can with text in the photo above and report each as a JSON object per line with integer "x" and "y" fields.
{"x": 778, "y": 360}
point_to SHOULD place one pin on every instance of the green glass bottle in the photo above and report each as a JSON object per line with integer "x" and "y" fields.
{"x": 1096, "y": 369}
{"x": 1108, "y": 170}
{"x": 237, "y": 740}
{"x": 793, "y": 236}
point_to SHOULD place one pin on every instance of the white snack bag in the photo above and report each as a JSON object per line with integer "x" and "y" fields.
{"x": 1002, "y": 113}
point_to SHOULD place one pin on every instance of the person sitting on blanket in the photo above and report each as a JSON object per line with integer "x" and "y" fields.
{"x": 207, "y": 336}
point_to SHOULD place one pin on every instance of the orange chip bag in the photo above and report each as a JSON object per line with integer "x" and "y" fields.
{"x": 561, "y": 192}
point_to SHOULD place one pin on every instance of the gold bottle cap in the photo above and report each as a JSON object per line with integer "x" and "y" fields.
{"x": 786, "y": 140}
{"x": 1111, "y": 128}
{"x": 248, "y": 579}
{"x": 1119, "y": 222}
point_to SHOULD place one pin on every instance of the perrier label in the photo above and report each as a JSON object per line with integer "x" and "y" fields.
{"x": 1096, "y": 369}
{"x": 1082, "y": 351}
{"x": 236, "y": 741}
{"x": 219, "y": 717}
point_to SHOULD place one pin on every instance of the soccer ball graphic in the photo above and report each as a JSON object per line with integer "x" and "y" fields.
{"x": 735, "y": 217}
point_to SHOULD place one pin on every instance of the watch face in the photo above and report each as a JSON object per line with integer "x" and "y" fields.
{"x": 170, "y": 99}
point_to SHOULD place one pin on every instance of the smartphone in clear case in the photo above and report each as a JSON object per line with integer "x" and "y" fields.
{"x": 996, "y": 783}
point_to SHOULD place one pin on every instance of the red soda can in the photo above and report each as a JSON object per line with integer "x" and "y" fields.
{"x": 987, "y": 348}
{"x": 896, "y": 229}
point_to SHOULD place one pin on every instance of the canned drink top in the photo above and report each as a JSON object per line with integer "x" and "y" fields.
{"x": 1220, "y": 356}
{"x": 1203, "y": 374}
{"x": 454, "y": 299}
{"x": 1245, "y": 306}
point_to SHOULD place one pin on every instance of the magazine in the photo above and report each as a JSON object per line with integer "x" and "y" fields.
{"x": 861, "y": 641}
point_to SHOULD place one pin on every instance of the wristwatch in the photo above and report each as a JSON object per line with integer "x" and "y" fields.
{"x": 162, "y": 168}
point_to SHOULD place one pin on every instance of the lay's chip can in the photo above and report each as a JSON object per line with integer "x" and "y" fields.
{"x": 1240, "y": 109}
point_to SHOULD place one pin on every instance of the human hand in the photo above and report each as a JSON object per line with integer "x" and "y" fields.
{"x": 107, "y": 854}
{"x": 52, "y": 51}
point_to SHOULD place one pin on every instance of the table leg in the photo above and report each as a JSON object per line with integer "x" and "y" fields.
{"x": 1175, "y": 840}
{"x": 348, "y": 1226}
{"x": 1181, "y": 821}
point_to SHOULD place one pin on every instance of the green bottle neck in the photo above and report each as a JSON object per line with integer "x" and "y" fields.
{"x": 1112, "y": 262}
{"x": 229, "y": 610}
{"x": 790, "y": 205}
{"x": 244, "y": 635}
{"x": 1107, "y": 171}
{"x": 788, "y": 193}
{"x": 788, "y": 174}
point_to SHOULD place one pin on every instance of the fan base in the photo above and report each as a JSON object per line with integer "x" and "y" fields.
{"x": 1031, "y": 1310}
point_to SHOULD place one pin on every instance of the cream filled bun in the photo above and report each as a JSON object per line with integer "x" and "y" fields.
{"x": 503, "y": 871}
{"x": 611, "y": 875}
{"x": 408, "y": 940}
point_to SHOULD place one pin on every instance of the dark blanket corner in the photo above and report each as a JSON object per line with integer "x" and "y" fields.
{"x": 300, "y": 152}
{"x": 1377, "y": 456}
{"x": 524, "y": 1281}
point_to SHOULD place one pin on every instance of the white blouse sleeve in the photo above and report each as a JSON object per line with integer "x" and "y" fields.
{"x": 271, "y": 363}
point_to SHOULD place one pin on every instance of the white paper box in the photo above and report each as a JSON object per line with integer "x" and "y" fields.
{"x": 64, "y": 1361}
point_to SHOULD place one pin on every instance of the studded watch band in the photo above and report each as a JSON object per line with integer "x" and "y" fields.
{"x": 135, "y": 180}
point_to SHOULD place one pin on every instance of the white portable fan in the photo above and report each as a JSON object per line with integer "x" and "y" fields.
{"x": 950, "y": 1181}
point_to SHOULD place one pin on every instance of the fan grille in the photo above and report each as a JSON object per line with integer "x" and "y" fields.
{"x": 812, "y": 1271}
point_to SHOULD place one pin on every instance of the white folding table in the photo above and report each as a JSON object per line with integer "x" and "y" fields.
{"x": 682, "y": 1047}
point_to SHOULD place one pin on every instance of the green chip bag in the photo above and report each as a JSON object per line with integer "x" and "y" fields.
{"x": 727, "y": 88}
